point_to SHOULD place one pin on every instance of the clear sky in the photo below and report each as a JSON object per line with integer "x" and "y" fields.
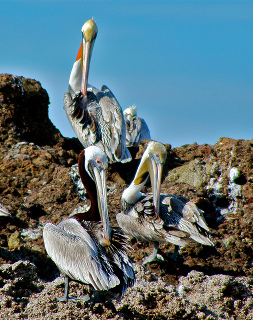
{"x": 186, "y": 65}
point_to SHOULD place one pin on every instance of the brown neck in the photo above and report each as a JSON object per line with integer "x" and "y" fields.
{"x": 93, "y": 213}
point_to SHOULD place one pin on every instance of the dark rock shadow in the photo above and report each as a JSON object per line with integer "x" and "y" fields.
{"x": 46, "y": 269}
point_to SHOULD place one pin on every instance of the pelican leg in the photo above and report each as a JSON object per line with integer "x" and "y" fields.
{"x": 66, "y": 296}
{"x": 175, "y": 253}
{"x": 154, "y": 255}
{"x": 82, "y": 298}
{"x": 66, "y": 291}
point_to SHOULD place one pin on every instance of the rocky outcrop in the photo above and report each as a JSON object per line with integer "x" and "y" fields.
{"x": 224, "y": 171}
{"x": 36, "y": 187}
{"x": 197, "y": 296}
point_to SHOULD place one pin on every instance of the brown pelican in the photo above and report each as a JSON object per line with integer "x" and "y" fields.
{"x": 159, "y": 218}
{"x": 3, "y": 211}
{"x": 85, "y": 249}
{"x": 95, "y": 115}
{"x": 136, "y": 128}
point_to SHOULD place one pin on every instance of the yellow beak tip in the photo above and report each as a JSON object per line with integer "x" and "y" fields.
{"x": 104, "y": 242}
{"x": 107, "y": 242}
{"x": 89, "y": 29}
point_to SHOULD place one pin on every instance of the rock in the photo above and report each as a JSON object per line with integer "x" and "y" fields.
{"x": 193, "y": 173}
{"x": 26, "y": 105}
{"x": 36, "y": 187}
{"x": 14, "y": 240}
{"x": 74, "y": 173}
{"x": 210, "y": 292}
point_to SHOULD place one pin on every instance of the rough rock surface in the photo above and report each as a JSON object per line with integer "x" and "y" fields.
{"x": 36, "y": 187}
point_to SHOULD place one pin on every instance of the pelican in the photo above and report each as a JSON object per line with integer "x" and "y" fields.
{"x": 3, "y": 211}
{"x": 136, "y": 128}
{"x": 95, "y": 115}
{"x": 159, "y": 218}
{"x": 84, "y": 247}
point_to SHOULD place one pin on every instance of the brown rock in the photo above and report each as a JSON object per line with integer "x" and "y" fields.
{"x": 36, "y": 187}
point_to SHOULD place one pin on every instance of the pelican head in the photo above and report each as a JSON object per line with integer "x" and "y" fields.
{"x": 89, "y": 33}
{"x": 151, "y": 164}
{"x": 130, "y": 111}
{"x": 96, "y": 166}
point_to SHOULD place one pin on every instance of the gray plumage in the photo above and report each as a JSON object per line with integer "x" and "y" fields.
{"x": 179, "y": 220}
{"x": 179, "y": 211}
{"x": 136, "y": 128}
{"x": 157, "y": 217}
{"x": 142, "y": 223}
{"x": 85, "y": 249}
{"x": 95, "y": 115}
{"x": 99, "y": 122}
{"x": 75, "y": 249}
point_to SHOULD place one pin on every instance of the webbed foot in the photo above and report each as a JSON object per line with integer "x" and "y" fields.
{"x": 62, "y": 299}
{"x": 152, "y": 258}
{"x": 75, "y": 299}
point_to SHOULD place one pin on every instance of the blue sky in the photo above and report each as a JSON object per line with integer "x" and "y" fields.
{"x": 187, "y": 65}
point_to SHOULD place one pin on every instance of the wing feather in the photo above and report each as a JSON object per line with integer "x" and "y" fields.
{"x": 113, "y": 118}
{"x": 185, "y": 215}
{"x": 187, "y": 209}
{"x": 136, "y": 130}
{"x": 4, "y": 211}
{"x": 99, "y": 122}
{"x": 80, "y": 120}
{"x": 178, "y": 221}
{"x": 77, "y": 256}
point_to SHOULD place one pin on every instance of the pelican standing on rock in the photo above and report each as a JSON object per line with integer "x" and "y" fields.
{"x": 84, "y": 247}
{"x": 159, "y": 218}
{"x": 136, "y": 128}
{"x": 95, "y": 115}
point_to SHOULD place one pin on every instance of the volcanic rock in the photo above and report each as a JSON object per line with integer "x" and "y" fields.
{"x": 36, "y": 187}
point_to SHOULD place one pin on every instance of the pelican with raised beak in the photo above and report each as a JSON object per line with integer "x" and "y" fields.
{"x": 95, "y": 115}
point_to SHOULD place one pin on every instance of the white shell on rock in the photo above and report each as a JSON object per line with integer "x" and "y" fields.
{"x": 234, "y": 173}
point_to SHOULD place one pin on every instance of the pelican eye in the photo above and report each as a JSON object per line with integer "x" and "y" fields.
{"x": 94, "y": 36}
{"x": 99, "y": 161}
{"x": 157, "y": 155}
